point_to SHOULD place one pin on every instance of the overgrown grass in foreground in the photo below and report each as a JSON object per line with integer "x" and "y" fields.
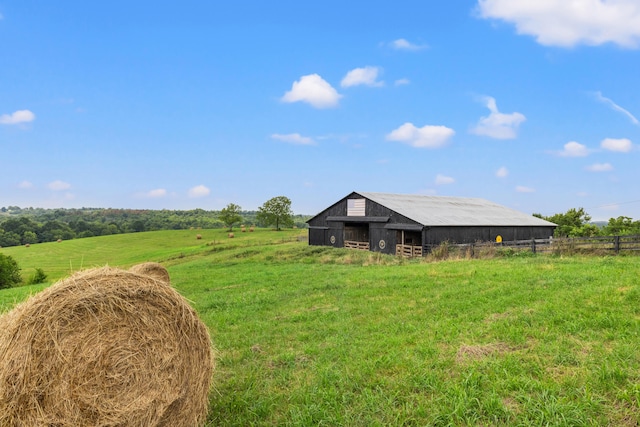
{"x": 523, "y": 341}
{"x": 318, "y": 336}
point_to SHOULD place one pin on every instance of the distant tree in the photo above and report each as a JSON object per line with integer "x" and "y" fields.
{"x": 573, "y": 223}
{"x": 54, "y": 230}
{"x": 276, "y": 211}
{"x": 9, "y": 238}
{"x": 136, "y": 226}
{"x": 230, "y": 215}
{"x": 621, "y": 225}
{"x": 20, "y": 225}
{"x": 9, "y": 272}
{"x": 29, "y": 237}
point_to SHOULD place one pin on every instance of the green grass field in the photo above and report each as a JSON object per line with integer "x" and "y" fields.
{"x": 320, "y": 336}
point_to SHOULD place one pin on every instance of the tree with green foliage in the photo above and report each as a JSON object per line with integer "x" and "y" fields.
{"x": 54, "y": 230}
{"x": 276, "y": 211}
{"x": 9, "y": 272}
{"x": 29, "y": 237}
{"x": 622, "y": 225}
{"x": 9, "y": 238}
{"x": 38, "y": 277}
{"x": 573, "y": 223}
{"x": 230, "y": 215}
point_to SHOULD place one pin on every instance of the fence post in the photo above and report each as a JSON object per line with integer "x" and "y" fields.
{"x": 616, "y": 244}
{"x": 533, "y": 245}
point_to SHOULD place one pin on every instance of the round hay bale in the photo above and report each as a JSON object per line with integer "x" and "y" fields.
{"x": 152, "y": 269}
{"x": 104, "y": 347}
{"x": 231, "y": 236}
{"x": 198, "y": 236}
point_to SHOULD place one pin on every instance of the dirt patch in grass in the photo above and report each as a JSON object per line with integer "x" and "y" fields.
{"x": 512, "y": 405}
{"x": 468, "y": 353}
{"x": 494, "y": 317}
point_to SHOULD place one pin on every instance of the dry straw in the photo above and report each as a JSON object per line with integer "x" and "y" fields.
{"x": 105, "y": 347}
{"x": 152, "y": 269}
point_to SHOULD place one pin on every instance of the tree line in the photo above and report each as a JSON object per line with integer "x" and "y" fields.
{"x": 20, "y": 226}
{"x": 576, "y": 222}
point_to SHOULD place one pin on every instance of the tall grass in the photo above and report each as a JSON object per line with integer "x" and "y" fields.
{"x": 320, "y": 336}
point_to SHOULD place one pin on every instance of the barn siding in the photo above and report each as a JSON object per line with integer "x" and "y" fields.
{"x": 322, "y": 231}
{"x": 317, "y": 236}
{"x": 437, "y": 235}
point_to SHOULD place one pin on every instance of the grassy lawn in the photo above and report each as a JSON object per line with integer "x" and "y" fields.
{"x": 320, "y": 336}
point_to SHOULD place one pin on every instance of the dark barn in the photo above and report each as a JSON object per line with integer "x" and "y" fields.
{"x": 411, "y": 224}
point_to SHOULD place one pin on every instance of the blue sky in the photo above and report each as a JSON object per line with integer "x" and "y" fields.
{"x": 197, "y": 104}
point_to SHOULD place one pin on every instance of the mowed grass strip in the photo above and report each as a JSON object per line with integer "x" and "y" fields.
{"x": 319, "y": 336}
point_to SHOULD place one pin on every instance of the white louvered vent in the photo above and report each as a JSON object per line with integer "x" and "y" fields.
{"x": 355, "y": 207}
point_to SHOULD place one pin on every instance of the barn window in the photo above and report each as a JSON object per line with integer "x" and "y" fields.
{"x": 355, "y": 207}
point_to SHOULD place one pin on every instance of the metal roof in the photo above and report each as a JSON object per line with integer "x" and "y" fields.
{"x": 454, "y": 211}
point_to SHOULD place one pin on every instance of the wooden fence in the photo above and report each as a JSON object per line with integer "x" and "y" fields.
{"x": 599, "y": 244}
{"x": 408, "y": 251}
{"x": 564, "y": 245}
{"x": 351, "y": 244}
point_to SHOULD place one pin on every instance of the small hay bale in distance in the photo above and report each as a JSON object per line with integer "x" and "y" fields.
{"x": 198, "y": 236}
{"x": 105, "y": 347}
{"x": 231, "y": 235}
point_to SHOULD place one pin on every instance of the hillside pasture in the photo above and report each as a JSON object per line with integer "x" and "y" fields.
{"x": 59, "y": 259}
{"x": 320, "y": 336}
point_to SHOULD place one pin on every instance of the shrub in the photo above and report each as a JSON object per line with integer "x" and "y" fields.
{"x": 9, "y": 272}
{"x": 38, "y": 277}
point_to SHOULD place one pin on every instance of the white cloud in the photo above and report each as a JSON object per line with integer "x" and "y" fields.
{"x": 367, "y": 76}
{"x": 25, "y": 185}
{"x": 498, "y": 125}
{"x": 616, "y": 107}
{"x": 567, "y": 23}
{"x": 199, "y": 191}
{"x": 294, "y": 138}
{"x": 444, "y": 180}
{"x": 403, "y": 44}
{"x": 58, "y": 185}
{"x": 523, "y": 189}
{"x": 20, "y": 116}
{"x": 600, "y": 167}
{"x": 314, "y": 90}
{"x": 622, "y": 145}
{"x": 424, "y": 137}
{"x": 402, "y": 82}
{"x": 574, "y": 149}
{"x": 503, "y": 172}
{"x": 156, "y": 194}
